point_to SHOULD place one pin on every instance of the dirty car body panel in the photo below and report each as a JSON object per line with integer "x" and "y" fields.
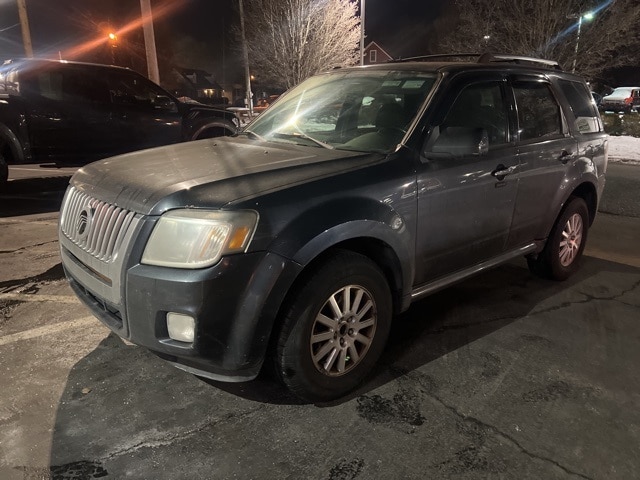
{"x": 440, "y": 198}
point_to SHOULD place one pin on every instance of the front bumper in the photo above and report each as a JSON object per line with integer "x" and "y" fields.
{"x": 234, "y": 304}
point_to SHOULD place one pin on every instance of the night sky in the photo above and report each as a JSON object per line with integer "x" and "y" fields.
{"x": 400, "y": 26}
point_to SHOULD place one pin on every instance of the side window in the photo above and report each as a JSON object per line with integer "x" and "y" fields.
{"x": 83, "y": 87}
{"x": 136, "y": 91}
{"x": 67, "y": 86}
{"x": 373, "y": 56}
{"x": 48, "y": 85}
{"x": 582, "y": 106}
{"x": 480, "y": 106}
{"x": 538, "y": 111}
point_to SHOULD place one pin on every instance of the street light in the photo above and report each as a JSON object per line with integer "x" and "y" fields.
{"x": 587, "y": 16}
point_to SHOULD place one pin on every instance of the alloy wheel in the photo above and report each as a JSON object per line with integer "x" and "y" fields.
{"x": 343, "y": 330}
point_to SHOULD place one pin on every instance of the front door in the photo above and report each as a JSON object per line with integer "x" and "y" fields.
{"x": 466, "y": 199}
{"x": 145, "y": 115}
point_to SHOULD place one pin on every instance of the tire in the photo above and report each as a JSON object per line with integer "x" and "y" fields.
{"x": 345, "y": 347}
{"x": 561, "y": 255}
{"x": 4, "y": 172}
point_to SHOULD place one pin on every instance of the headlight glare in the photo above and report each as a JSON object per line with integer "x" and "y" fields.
{"x": 198, "y": 238}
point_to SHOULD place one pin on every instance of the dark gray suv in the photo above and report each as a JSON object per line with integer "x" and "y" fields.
{"x": 356, "y": 193}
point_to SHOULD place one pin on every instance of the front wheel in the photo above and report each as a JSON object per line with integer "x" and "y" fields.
{"x": 334, "y": 328}
{"x": 4, "y": 172}
{"x": 563, "y": 250}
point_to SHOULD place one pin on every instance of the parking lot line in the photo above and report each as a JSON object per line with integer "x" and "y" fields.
{"x": 48, "y": 330}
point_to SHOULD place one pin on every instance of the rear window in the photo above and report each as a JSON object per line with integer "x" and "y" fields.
{"x": 539, "y": 114}
{"x": 582, "y": 105}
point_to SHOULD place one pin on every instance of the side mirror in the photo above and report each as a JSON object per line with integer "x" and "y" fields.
{"x": 163, "y": 103}
{"x": 457, "y": 142}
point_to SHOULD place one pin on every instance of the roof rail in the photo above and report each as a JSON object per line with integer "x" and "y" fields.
{"x": 488, "y": 57}
{"x": 485, "y": 58}
{"x": 439, "y": 56}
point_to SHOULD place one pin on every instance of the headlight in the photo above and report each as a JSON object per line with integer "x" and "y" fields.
{"x": 198, "y": 238}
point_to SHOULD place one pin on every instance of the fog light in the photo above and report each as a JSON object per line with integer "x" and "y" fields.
{"x": 181, "y": 327}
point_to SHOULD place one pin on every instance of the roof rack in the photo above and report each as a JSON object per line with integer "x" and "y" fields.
{"x": 440, "y": 56}
{"x": 486, "y": 58}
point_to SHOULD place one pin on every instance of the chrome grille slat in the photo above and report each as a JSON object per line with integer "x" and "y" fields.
{"x": 127, "y": 221}
{"x": 96, "y": 228}
{"x": 113, "y": 234}
{"x": 107, "y": 226}
{"x": 108, "y": 230}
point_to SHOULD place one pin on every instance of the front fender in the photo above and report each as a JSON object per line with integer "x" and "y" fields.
{"x": 316, "y": 231}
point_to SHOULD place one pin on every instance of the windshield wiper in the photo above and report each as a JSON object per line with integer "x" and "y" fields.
{"x": 304, "y": 136}
{"x": 253, "y": 135}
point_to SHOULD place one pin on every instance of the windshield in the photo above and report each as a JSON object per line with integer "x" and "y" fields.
{"x": 366, "y": 110}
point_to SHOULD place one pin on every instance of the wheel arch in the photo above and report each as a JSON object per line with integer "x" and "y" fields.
{"x": 587, "y": 191}
{"x": 376, "y": 250}
{"x": 220, "y": 126}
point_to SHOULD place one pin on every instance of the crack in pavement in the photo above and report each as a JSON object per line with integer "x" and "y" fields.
{"x": 27, "y": 247}
{"x": 495, "y": 430}
{"x": 171, "y": 438}
{"x": 463, "y": 326}
{"x": 590, "y": 298}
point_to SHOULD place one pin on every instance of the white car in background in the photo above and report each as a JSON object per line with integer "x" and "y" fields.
{"x": 622, "y": 99}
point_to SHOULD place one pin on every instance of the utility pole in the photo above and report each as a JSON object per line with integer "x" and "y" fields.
{"x": 24, "y": 25}
{"x": 361, "y": 32}
{"x": 245, "y": 56}
{"x": 150, "y": 41}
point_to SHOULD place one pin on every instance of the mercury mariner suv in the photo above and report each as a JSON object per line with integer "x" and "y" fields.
{"x": 293, "y": 244}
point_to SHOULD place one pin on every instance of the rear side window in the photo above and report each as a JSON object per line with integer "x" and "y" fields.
{"x": 538, "y": 111}
{"x": 582, "y": 105}
{"x": 67, "y": 85}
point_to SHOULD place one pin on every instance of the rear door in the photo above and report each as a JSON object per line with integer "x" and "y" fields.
{"x": 545, "y": 146}
{"x": 465, "y": 202}
{"x": 68, "y": 112}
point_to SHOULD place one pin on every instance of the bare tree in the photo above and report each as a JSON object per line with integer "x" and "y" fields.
{"x": 290, "y": 40}
{"x": 548, "y": 29}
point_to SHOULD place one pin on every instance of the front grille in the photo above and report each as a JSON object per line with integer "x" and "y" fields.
{"x": 95, "y": 226}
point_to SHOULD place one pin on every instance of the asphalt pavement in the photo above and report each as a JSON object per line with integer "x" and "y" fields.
{"x": 502, "y": 376}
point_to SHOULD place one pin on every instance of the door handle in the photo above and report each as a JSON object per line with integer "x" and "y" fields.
{"x": 501, "y": 171}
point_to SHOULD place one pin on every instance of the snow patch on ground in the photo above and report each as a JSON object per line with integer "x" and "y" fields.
{"x": 624, "y": 149}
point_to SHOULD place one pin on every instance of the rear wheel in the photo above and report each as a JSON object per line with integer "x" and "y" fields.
{"x": 563, "y": 250}
{"x": 334, "y": 328}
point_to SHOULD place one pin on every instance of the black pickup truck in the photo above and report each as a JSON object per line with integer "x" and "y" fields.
{"x": 74, "y": 113}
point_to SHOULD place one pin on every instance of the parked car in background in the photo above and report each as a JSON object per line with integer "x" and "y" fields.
{"x": 357, "y": 193}
{"x": 622, "y": 99}
{"x": 75, "y": 113}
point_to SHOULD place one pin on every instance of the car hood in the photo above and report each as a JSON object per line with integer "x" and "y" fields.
{"x": 208, "y": 173}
